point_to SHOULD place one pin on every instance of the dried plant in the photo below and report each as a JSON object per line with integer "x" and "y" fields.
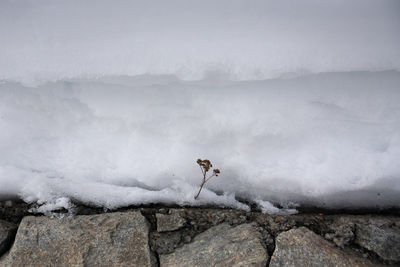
{"x": 205, "y": 166}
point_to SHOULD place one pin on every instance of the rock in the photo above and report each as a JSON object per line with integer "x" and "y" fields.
{"x": 7, "y": 232}
{"x": 169, "y": 222}
{"x": 380, "y": 235}
{"x": 203, "y": 219}
{"x": 164, "y": 243}
{"x": 187, "y": 239}
{"x": 276, "y": 223}
{"x": 110, "y": 239}
{"x": 302, "y": 247}
{"x": 221, "y": 245}
{"x": 343, "y": 229}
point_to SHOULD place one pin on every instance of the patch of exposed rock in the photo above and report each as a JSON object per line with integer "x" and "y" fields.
{"x": 302, "y": 247}
{"x": 196, "y": 221}
{"x": 380, "y": 235}
{"x": 110, "y": 239}
{"x": 341, "y": 231}
{"x": 169, "y": 222}
{"x": 221, "y": 245}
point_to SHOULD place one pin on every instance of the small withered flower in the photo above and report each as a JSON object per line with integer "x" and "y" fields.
{"x": 205, "y": 166}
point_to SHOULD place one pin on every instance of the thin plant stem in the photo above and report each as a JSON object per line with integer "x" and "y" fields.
{"x": 201, "y": 187}
{"x": 205, "y": 166}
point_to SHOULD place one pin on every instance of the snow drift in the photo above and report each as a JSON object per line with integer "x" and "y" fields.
{"x": 299, "y": 140}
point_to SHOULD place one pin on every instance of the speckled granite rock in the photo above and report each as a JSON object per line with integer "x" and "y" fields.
{"x": 7, "y": 232}
{"x": 221, "y": 245}
{"x": 169, "y": 222}
{"x": 343, "y": 229}
{"x": 380, "y": 235}
{"x": 302, "y": 247}
{"x": 197, "y": 237}
{"x": 110, "y": 239}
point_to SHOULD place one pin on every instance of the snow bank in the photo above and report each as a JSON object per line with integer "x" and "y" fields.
{"x": 118, "y": 141}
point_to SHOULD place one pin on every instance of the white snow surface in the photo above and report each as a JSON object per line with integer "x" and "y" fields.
{"x": 331, "y": 140}
{"x": 111, "y": 102}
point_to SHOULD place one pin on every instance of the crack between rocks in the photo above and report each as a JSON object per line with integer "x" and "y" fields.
{"x": 150, "y": 217}
{"x": 270, "y": 256}
{"x": 265, "y": 245}
{"x": 157, "y": 258}
{"x": 9, "y": 243}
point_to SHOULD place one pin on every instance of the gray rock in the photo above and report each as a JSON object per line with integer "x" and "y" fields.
{"x": 110, "y": 239}
{"x": 302, "y": 247}
{"x": 7, "y": 232}
{"x": 343, "y": 229}
{"x": 164, "y": 243}
{"x": 380, "y": 235}
{"x": 221, "y": 245}
{"x": 276, "y": 223}
{"x": 169, "y": 222}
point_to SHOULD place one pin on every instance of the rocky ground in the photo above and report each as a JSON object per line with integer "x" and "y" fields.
{"x": 173, "y": 236}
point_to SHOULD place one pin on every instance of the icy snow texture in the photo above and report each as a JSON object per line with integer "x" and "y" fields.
{"x": 111, "y": 102}
{"x": 269, "y": 208}
{"x": 325, "y": 139}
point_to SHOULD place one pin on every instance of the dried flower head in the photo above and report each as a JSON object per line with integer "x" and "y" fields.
{"x": 205, "y": 164}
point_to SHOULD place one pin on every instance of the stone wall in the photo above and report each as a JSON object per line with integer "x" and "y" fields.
{"x": 160, "y": 236}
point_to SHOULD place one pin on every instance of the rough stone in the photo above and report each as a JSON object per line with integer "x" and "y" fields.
{"x": 110, "y": 239}
{"x": 371, "y": 237}
{"x": 203, "y": 219}
{"x": 381, "y": 236}
{"x": 169, "y": 222}
{"x": 302, "y": 247}
{"x": 343, "y": 229}
{"x": 7, "y": 232}
{"x": 276, "y": 224}
{"x": 221, "y": 245}
{"x": 165, "y": 242}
